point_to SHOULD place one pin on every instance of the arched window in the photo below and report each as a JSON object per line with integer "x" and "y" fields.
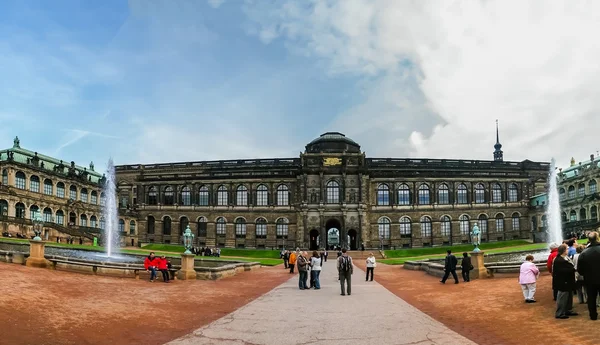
{"x": 463, "y": 223}
{"x": 73, "y": 193}
{"x": 333, "y": 192}
{"x": 571, "y": 192}
{"x": 83, "y": 220}
{"x": 561, "y": 193}
{"x": 593, "y": 186}
{"x": 72, "y": 218}
{"x": 424, "y": 195}
{"x": 152, "y": 196}
{"x": 47, "y": 215}
{"x": 241, "y": 197}
{"x": 60, "y": 190}
{"x": 479, "y": 194}
{"x": 425, "y": 226}
{"x": 446, "y": 226}
{"x": 34, "y": 211}
{"x": 94, "y": 198}
{"x": 150, "y": 224}
{"x": 499, "y": 222}
{"x": 283, "y": 195}
{"x": 121, "y": 226}
{"x": 261, "y": 228}
{"x": 83, "y": 195}
{"x": 281, "y": 227}
{"x": 20, "y": 180}
{"x": 383, "y": 195}
{"x": 221, "y": 226}
{"x": 582, "y": 214}
{"x": 496, "y": 193}
{"x": 202, "y": 226}
{"x": 93, "y": 222}
{"x": 563, "y": 216}
{"x": 513, "y": 193}
{"x": 203, "y": 196}
{"x": 34, "y": 184}
{"x": 462, "y": 194}
{"x": 482, "y": 221}
{"x": 403, "y": 194}
{"x": 443, "y": 194}
{"x": 516, "y": 222}
{"x": 4, "y": 177}
{"x": 183, "y": 224}
{"x": 544, "y": 221}
{"x": 186, "y": 196}
{"x": 168, "y": 196}
{"x": 20, "y": 210}
{"x": 166, "y": 225}
{"x": 102, "y": 223}
{"x": 240, "y": 228}
{"x": 262, "y": 195}
{"x": 60, "y": 217}
{"x": 593, "y": 212}
{"x": 132, "y": 227}
{"x": 405, "y": 227}
{"x": 3, "y": 207}
{"x": 581, "y": 189}
{"x": 572, "y": 216}
{"x": 48, "y": 187}
{"x": 384, "y": 224}
{"x": 222, "y": 199}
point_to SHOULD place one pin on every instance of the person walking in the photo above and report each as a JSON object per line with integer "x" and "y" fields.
{"x": 316, "y": 263}
{"x": 563, "y": 273}
{"x": 527, "y": 278}
{"x": 466, "y": 267}
{"x": 151, "y": 264}
{"x": 588, "y": 266}
{"x": 450, "y": 267}
{"x": 371, "y": 264}
{"x": 286, "y": 259}
{"x": 293, "y": 258}
{"x": 325, "y": 254}
{"x": 345, "y": 270}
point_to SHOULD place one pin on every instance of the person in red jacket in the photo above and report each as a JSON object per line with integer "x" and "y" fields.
{"x": 164, "y": 268}
{"x": 550, "y": 262}
{"x": 151, "y": 264}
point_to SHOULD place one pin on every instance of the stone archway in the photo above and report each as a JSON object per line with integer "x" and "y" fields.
{"x": 353, "y": 239}
{"x": 314, "y": 239}
{"x": 334, "y": 233}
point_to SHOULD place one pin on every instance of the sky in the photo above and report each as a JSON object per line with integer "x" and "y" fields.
{"x": 147, "y": 81}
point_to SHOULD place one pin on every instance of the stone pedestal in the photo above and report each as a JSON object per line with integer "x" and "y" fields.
{"x": 479, "y": 271}
{"x": 187, "y": 271}
{"x": 36, "y": 254}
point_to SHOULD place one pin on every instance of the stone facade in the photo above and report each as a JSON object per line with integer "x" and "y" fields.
{"x": 331, "y": 194}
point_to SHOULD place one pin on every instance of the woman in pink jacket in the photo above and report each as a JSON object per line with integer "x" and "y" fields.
{"x": 527, "y": 279}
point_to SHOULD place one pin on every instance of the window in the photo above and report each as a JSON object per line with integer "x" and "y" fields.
{"x": 221, "y": 226}
{"x": 20, "y": 210}
{"x": 571, "y": 192}
{"x": 403, "y": 195}
{"x": 34, "y": 211}
{"x": 132, "y": 227}
{"x": 513, "y": 193}
{"x": 83, "y": 195}
{"x": 102, "y": 199}
{"x": 282, "y": 228}
{"x": 463, "y": 222}
{"x": 121, "y": 225}
{"x": 561, "y": 193}
{"x": 60, "y": 217}
{"x": 47, "y": 215}
{"x": 186, "y": 196}
{"x": 262, "y": 195}
{"x": 593, "y": 186}
{"x": 383, "y": 195}
{"x": 479, "y": 194}
{"x": 166, "y": 225}
{"x": 581, "y": 189}
{"x": 83, "y": 220}
{"x": 241, "y": 197}
{"x": 462, "y": 194}
{"x": 240, "y": 228}
{"x": 261, "y": 228}
{"x": 20, "y": 180}
{"x": 283, "y": 195}
{"x": 73, "y": 193}
{"x": 203, "y": 196}
{"x": 594, "y": 212}
{"x": 563, "y": 216}
{"x": 60, "y": 190}
{"x": 516, "y": 222}
{"x": 34, "y": 184}
{"x": 102, "y": 223}
{"x": 443, "y": 194}
{"x": 5, "y": 177}
{"x": 152, "y": 196}
{"x": 582, "y": 214}
{"x": 446, "y": 226}
{"x": 424, "y": 194}
{"x": 222, "y": 196}
{"x": 93, "y": 222}
{"x": 482, "y": 221}
{"x": 499, "y": 222}
{"x": 168, "y": 196}
{"x": 202, "y": 226}
{"x": 405, "y": 226}
{"x": 48, "y": 187}
{"x": 333, "y": 192}
{"x": 150, "y": 223}
{"x": 94, "y": 198}
{"x": 384, "y": 224}
{"x": 496, "y": 193}
{"x": 425, "y": 226}
{"x": 572, "y": 216}
{"x": 183, "y": 224}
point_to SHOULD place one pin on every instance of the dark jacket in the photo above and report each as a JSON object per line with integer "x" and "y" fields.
{"x": 450, "y": 262}
{"x": 563, "y": 274}
{"x": 466, "y": 263}
{"x": 588, "y": 264}
{"x": 302, "y": 263}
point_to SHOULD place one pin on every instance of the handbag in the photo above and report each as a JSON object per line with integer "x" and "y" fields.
{"x": 471, "y": 268}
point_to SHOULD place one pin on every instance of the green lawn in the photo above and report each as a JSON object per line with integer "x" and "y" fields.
{"x": 244, "y": 253}
{"x": 413, "y": 252}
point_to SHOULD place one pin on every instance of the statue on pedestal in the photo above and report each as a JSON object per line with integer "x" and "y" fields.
{"x": 476, "y": 238}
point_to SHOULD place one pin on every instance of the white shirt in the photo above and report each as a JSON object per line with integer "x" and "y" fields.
{"x": 371, "y": 261}
{"x": 316, "y": 263}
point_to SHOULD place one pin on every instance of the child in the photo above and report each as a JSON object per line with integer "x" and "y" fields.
{"x": 163, "y": 268}
{"x": 527, "y": 279}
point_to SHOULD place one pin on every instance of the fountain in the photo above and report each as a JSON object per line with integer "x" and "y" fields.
{"x": 554, "y": 230}
{"x": 110, "y": 212}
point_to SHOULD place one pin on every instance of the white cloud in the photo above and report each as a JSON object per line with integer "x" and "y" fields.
{"x": 533, "y": 65}
{"x": 215, "y": 3}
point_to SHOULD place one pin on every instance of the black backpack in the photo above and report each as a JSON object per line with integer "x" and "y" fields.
{"x": 345, "y": 266}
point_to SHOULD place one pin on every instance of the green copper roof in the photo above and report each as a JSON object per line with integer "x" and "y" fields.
{"x": 539, "y": 200}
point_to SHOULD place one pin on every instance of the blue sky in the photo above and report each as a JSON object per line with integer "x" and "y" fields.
{"x": 155, "y": 81}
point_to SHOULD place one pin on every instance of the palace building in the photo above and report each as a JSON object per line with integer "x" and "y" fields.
{"x": 333, "y": 194}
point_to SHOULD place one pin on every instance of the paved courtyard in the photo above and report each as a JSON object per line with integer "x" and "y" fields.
{"x": 287, "y": 315}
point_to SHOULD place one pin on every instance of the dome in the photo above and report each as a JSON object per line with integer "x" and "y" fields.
{"x": 332, "y": 142}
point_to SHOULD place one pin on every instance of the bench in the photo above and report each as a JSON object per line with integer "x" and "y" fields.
{"x": 95, "y": 265}
{"x": 492, "y": 269}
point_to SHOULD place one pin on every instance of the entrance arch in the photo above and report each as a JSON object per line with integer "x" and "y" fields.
{"x": 314, "y": 239}
{"x": 334, "y": 233}
{"x": 353, "y": 239}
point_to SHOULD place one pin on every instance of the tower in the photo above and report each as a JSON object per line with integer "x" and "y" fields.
{"x": 498, "y": 154}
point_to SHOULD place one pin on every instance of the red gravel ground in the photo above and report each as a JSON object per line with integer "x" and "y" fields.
{"x": 41, "y": 306}
{"x": 490, "y": 311}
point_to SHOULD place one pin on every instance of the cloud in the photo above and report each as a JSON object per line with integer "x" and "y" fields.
{"x": 215, "y": 3}
{"x": 75, "y": 135}
{"x": 532, "y": 65}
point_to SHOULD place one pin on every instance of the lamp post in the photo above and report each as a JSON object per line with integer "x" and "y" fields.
{"x": 38, "y": 226}
{"x": 188, "y": 240}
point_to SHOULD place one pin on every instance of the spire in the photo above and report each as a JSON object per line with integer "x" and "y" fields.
{"x": 498, "y": 154}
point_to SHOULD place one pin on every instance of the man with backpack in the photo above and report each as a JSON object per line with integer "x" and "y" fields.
{"x": 345, "y": 270}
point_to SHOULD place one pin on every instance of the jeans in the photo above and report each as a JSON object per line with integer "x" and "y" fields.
{"x": 370, "y": 271}
{"x": 564, "y": 303}
{"x": 346, "y": 279}
{"x": 529, "y": 291}
{"x": 465, "y": 274}
{"x": 165, "y": 275}
{"x": 152, "y": 273}
{"x": 302, "y": 280}
{"x": 453, "y": 276}
{"x": 315, "y": 278}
